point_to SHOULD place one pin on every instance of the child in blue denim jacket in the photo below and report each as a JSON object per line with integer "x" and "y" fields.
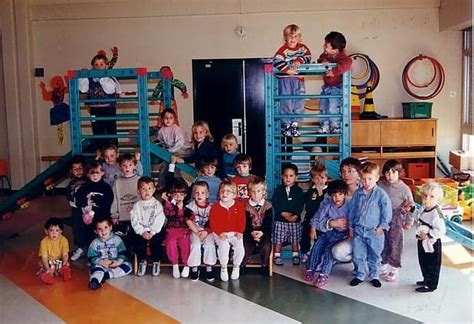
{"x": 370, "y": 214}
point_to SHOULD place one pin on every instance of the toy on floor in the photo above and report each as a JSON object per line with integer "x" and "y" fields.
{"x": 158, "y": 93}
{"x": 49, "y": 184}
{"x": 23, "y": 203}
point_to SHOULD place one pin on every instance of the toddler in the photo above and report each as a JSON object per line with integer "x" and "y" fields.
{"x": 107, "y": 254}
{"x": 334, "y": 45}
{"x": 259, "y": 223}
{"x": 101, "y": 88}
{"x": 79, "y": 229}
{"x": 229, "y": 146}
{"x": 95, "y": 197}
{"x": 227, "y": 222}
{"x": 313, "y": 198}
{"x": 208, "y": 175}
{"x": 331, "y": 223}
{"x": 204, "y": 148}
{"x": 370, "y": 214}
{"x": 201, "y": 236}
{"x": 177, "y": 231}
{"x": 288, "y": 203}
{"x": 147, "y": 219}
{"x": 287, "y": 60}
{"x": 243, "y": 165}
{"x": 430, "y": 228}
{"x": 402, "y": 201}
{"x": 53, "y": 252}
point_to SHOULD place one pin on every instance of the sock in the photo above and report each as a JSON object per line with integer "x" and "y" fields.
{"x": 296, "y": 253}
{"x": 208, "y": 268}
{"x": 277, "y": 254}
{"x": 194, "y": 269}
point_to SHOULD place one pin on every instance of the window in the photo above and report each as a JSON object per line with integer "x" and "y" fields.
{"x": 467, "y": 124}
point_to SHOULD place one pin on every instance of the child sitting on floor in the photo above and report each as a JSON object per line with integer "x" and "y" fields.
{"x": 53, "y": 252}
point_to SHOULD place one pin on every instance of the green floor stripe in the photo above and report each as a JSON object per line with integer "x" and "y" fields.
{"x": 304, "y": 303}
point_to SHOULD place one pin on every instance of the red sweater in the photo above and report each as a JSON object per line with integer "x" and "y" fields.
{"x": 343, "y": 62}
{"x": 222, "y": 220}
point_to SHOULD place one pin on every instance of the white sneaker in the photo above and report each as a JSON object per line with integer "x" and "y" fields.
{"x": 235, "y": 273}
{"x": 176, "y": 274}
{"x": 185, "y": 272}
{"x": 156, "y": 269}
{"x": 141, "y": 268}
{"x": 76, "y": 255}
{"x": 392, "y": 275}
{"x": 224, "y": 274}
{"x": 384, "y": 269}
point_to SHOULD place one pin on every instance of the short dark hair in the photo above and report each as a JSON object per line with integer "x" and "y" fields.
{"x": 350, "y": 162}
{"x": 336, "y": 186}
{"x": 179, "y": 186}
{"x": 145, "y": 180}
{"x": 336, "y": 39}
{"x": 54, "y": 221}
{"x": 77, "y": 159}
{"x": 94, "y": 165}
{"x": 290, "y": 166}
{"x": 318, "y": 168}
{"x": 127, "y": 157}
{"x": 208, "y": 161}
{"x": 242, "y": 158}
{"x": 392, "y": 164}
{"x": 168, "y": 111}
{"x": 99, "y": 57}
{"x": 100, "y": 219}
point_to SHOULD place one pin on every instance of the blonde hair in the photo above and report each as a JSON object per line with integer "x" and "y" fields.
{"x": 433, "y": 187}
{"x": 229, "y": 137}
{"x": 370, "y": 167}
{"x": 228, "y": 184}
{"x": 205, "y": 125}
{"x": 258, "y": 182}
{"x": 291, "y": 30}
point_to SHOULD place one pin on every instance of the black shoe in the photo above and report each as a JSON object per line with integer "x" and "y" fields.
{"x": 376, "y": 283}
{"x": 94, "y": 284}
{"x": 210, "y": 276}
{"x": 420, "y": 283}
{"x": 265, "y": 271}
{"x": 194, "y": 275}
{"x": 354, "y": 282}
{"x": 424, "y": 289}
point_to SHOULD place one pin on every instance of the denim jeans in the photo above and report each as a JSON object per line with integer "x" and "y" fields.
{"x": 291, "y": 86}
{"x": 367, "y": 248}
{"x": 330, "y": 106}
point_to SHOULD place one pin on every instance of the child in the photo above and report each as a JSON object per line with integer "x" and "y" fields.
{"x": 53, "y": 252}
{"x": 259, "y": 223}
{"x": 288, "y": 203}
{"x": 208, "y": 175}
{"x": 147, "y": 218}
{"x": 370, "y": 214}
{"x": 334, "y": 45}
{"x": 313, "y": 198}
{"x": 430, "y": 228}
{"x": 111, "y": 165}
{"x": 227, "y": 222}
{"x": 402, "y": 201}
{"x": 95, "y": 197}
{"x": 229, "y": 146}
{"x": 287, "y": 60}
{"x": 107, "y": 254}
{"x": 101, "y": 88}
{"x": 177, "y": 231}
{"x": 204, "y": 149}
{"x": 243, "y": 165}
{"x": 125, "y": 196}
{"x": 201, "y": 236}
{"x": 171, "y": 137}
{"x": 331, "y": 222}
{"x": 79, "y": 229}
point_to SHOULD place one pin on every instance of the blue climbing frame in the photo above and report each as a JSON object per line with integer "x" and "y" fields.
{"x": 141, "y": 77}
{"x": 279, "y": 151}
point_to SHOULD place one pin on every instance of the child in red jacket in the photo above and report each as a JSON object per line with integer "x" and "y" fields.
{"x": 227, "y": 222}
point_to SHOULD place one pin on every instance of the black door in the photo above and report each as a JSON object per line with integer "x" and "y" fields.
{"x": 229, "y": 95}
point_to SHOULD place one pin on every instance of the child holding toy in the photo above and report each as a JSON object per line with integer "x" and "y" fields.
{"x": 430, "y": 228}
{"x": 334, "y": 45}
{"x": 287, "y": 60}
{"x": 147, "y": 218}
{"x": 229, "y": 146}
{"x": 54, "y": 252}
{"x": 402, "y": 202}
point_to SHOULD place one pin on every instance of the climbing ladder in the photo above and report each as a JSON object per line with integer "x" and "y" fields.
{"x": 80, "y": 141}
{"x": 282, "y": 150}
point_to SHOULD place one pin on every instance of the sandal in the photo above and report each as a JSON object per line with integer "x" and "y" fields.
{"x": 309, "y": 275}
{"x": 321, "y": 281}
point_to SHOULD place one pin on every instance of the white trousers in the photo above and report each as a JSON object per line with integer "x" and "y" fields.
{"x": 209, "y": 247}
{"x": 223, "y": 248}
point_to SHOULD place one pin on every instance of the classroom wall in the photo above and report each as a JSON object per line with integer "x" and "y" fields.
{"x": 455, "y": 14}
{"x": 66, "y": 34}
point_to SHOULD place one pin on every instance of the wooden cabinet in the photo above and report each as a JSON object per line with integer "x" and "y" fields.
{"x": 412, "y": 141}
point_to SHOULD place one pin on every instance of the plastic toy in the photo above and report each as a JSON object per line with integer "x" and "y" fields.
{"x": 6, "y": 216}
{"x": 453, "y": 213}
{"x": 49, "y": 184}
{"x": 23, "y": 203}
